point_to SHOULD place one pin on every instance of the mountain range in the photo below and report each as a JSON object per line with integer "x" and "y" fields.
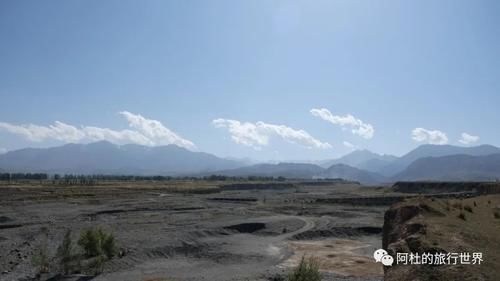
{"x": 426, "y": 162}
{"x": 362, "y": 159}
{"x": 107, "y": 158}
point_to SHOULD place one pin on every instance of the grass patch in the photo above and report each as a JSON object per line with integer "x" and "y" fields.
{"x": 307, "y": 270}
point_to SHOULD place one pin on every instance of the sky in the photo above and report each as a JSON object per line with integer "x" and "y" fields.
{"x": 266, "y": 80}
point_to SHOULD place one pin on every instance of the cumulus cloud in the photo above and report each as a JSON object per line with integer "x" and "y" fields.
{"x": 144, "y": 132}
{"x": 357, "y": 126}
{"x": 468, "y": 139}
{"x": 429, "y": 136}
{"x": 258, "y": 134}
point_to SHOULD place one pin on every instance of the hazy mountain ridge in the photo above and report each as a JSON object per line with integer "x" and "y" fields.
{"x": 351, "y": 173}
{"x": 363, "y": 159}
{"x": 453, "y": 168}
{"x": 429, "y": 150}
{"x": 306, "y": 171}
{"x": 426, "y": 162}
{"x": 105, "y": 157}
{"x": 288, "y": 170}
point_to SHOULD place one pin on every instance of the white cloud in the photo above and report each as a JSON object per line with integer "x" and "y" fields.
{"x": 357, "y": 126}
{"x": 58, "y": 131}
{"x": 468, "y": 139}
{"x": 146, "y": 132}
{"x": 258, "y": 134}
{"x": 155, "y": 131}
{"x": 3, "y": 150}
{"x": 429, "y": 136}
{"x": 119, "y": 137}
{"x": 349, "y": 145}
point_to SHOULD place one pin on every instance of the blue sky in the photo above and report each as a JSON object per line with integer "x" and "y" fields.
{"x": 414, "y": 71}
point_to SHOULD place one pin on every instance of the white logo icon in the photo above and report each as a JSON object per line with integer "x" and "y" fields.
{"x": 378, "y": 254}
{"x": 387, "y": 260}
{"x": 381, "y": 255}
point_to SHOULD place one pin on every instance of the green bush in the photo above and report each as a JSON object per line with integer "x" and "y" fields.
{"x": 307, "y": 270}
{"x": 109, "y": 246}
{"x": 90, "y": 243}
{"x": 96, "y": 242}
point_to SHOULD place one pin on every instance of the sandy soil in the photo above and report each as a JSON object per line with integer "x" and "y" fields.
{"x": 346, "y": 257}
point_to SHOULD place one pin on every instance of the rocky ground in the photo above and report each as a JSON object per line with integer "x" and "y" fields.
{"x": 226, "y": 235}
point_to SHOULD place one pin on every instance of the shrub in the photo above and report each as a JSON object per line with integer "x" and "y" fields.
{"x": 40, "y": 258}
{"x": 307, "y": 270}
{"x": 97, "y": 264}
{"x": 65, "y": 253}
{"x": 96, "y": 242}
{"x": 90, "y": 243}
{"x": 109, "y": 246}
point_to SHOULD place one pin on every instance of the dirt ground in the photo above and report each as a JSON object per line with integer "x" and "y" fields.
{"x": 226, "y": 235}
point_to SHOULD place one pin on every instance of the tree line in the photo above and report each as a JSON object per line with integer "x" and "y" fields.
{"x": 74, "y": 179}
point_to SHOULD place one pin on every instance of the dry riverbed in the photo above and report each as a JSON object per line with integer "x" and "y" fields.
{"x": 227, "y": 235}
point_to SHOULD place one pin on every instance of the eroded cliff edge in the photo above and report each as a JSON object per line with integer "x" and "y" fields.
{"x": 427, "y": 225}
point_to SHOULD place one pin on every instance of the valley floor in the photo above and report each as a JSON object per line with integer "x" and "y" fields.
{"x": 227, "y": 235}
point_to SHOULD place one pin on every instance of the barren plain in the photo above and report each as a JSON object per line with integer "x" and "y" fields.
{"x": 195, "y": 230}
